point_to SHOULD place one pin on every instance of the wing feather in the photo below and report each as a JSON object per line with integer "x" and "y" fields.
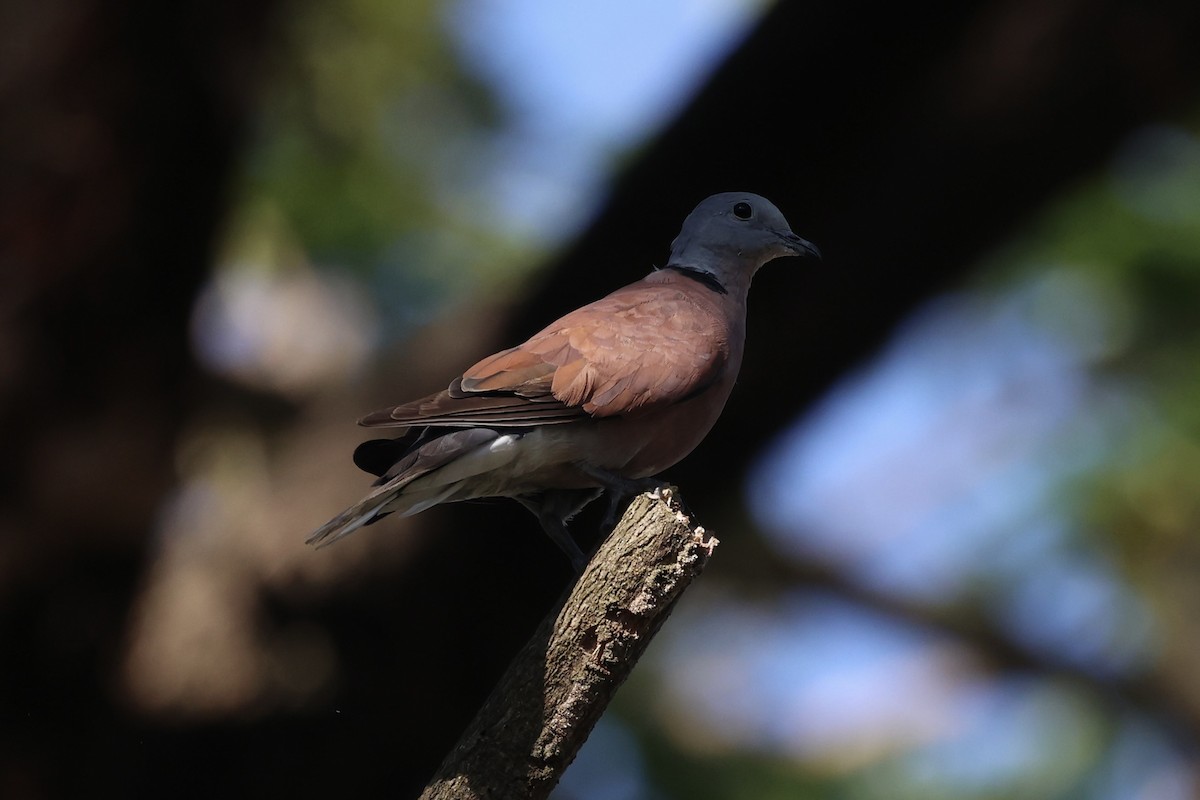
{"x": 642, "y": 347}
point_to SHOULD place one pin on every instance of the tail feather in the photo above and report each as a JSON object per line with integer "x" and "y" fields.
{"x": 429, "y": 470}
{"x": 353, "y": 518}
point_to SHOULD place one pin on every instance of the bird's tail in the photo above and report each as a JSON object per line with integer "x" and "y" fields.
{"x": 387, "y": 499}
{"x": 361, "y": 513}
{"x": 444, "y": 462}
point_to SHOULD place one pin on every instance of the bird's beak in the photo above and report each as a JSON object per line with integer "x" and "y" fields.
{"x": 800, "y": 247}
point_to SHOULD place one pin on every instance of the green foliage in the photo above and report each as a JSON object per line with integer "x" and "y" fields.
{"x": 363, "y": 159}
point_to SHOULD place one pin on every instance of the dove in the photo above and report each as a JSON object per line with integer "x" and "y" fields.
{"x": 602, "y": 400}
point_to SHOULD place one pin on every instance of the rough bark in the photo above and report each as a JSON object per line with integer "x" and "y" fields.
{"x": 545, "y": 705}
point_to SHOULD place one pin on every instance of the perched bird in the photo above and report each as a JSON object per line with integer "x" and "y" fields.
{"x": 602, "y": 400}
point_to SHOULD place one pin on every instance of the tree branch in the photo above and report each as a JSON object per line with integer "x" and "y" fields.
{"x": 543, "y": 709}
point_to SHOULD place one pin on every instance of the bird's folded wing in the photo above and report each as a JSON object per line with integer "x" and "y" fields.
{"x": 456, "y": 408}
{"x": 639, "y": 348}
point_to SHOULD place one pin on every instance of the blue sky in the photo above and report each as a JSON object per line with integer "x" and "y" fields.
{"x": 584, "y": 83}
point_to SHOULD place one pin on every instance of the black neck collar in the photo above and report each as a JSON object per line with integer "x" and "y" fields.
{"x": 700, "y": 276}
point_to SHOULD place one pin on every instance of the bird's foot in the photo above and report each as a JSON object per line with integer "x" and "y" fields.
{"x": 611, "y": 515}
{"x": 619, "y": 490}
{"x": 558, "y": 533}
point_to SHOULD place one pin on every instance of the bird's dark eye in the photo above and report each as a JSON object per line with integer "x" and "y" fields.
{"x": 742, "y": 210}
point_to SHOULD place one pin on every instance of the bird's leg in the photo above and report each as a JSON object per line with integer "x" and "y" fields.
{"x": 558, "y": 532}
{"x": 612, "y": 482}
{"x": 553, "y": 509}
{"x": 615, "y": 501}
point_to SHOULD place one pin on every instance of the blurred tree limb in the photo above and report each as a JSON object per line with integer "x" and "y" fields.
{"x": 551, "y": 696}
{"x": 1151, "y": 691}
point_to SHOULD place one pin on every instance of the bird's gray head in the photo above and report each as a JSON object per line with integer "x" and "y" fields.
{"x": 730, "y": 235}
